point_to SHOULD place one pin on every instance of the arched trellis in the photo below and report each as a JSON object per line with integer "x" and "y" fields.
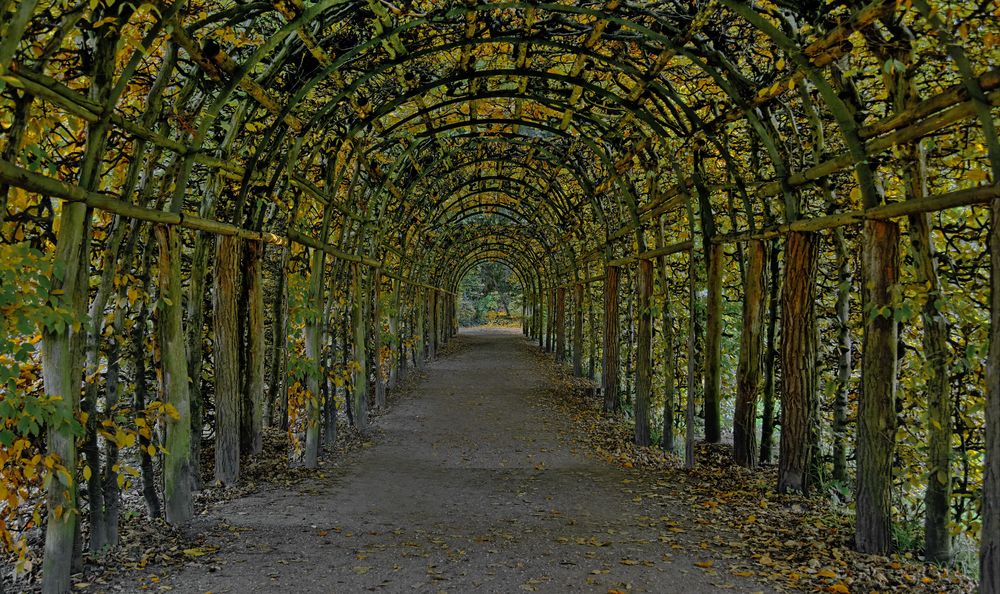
{"x": 643, "y": 95}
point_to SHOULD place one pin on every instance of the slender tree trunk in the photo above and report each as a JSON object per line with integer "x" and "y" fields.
{"x": 394, "y": 338}
{"x": 771, "y": 356}
{"x": 360, "y": 395}
{"x": 139, "y": 400}
{"x": 312, "y": 334}
{"x": 560, "y": 325}
{"x": 347, "y": 340}
{"x": 713, "y": 346}
{"x": 432, "y": 320}
{"x": 989, "y": 549}
{"x": 578, "y": 330}
{"x": 749, "y": 368}
{"x": 592, "y": 322}
{"x": 609, "y": 366}
{"x": 937, "y": 498}
{"x": 178, "y": 504}
{"x": 644, "y": 352}
{"x": 254, "y": 374}
{"x": 420, "y": 348}
{"x": 113, "y": 391}
{"x": 692, "y": 357}
{"x": 669, "y": 359}
{"x": 277, "y": 396}
{"x": 877, "y": 406}
{"x": 844, "y": 342}
{"x": 377, "y": 336}
{"x": 227, "y": 359}
{"x": 195, "y": 347}
{"x": 798, "y": 363}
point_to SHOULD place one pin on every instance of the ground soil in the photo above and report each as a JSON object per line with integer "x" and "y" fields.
{"x": 473, "y": 484}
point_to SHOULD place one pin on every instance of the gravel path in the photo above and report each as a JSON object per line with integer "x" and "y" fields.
{"x": 473, "y": 487}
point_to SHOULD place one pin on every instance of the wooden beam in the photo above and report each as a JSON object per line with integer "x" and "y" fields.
{"x": 979, "y": 195}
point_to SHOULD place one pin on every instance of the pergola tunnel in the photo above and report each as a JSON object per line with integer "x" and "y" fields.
{"x": 771, "y": 224}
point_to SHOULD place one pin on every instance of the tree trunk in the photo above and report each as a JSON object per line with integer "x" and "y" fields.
{"x": 713, "y": 346}
{"x": 937, "y": 497}
{"x": 592, "y": 322}
{"x": 277, "y": 396}
{"x": 113, "y": 393}
{"x": 312, "y": 335}
{"x": 578, "y": 330}
{"x": 669, "y": 359}
{"x": 609, "y": 366}
{"x": 226, "y": 355}
{"x": 377, "y": 337}
{"x": 177, "y": 501}
{"x": 360, "y": 395}
{"x": 420, "y": 335}
{"x": 254, "y": 372}
{"x": 749, "y": 368}
{"x": 139, "y": 401}
{"x": 560, "y": 325}
{"x": 876, "y": 438}
{"x": 692, "y": 360}
{"x": 989, "y": 548}
{"x": 394, "y": 339}
{"x": 840, "y": 402}
{"x": 798, "y": 363}
{"x": 771, "y": 356}
{"x": 432, "y": 321}
{"x": 643, "y": 352}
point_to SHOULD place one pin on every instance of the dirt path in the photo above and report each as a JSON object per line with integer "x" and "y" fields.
{"x": 470, "y": 489}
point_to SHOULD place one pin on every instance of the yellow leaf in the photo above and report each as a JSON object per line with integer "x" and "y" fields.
{"x": 200, "y": 551}
{"x": 151, "y": 450}
{"x": 87, "y": 473}
{"x": 826, "y": 573}
{"x": 840, "y": 587}
{"x": 704, "y": 564}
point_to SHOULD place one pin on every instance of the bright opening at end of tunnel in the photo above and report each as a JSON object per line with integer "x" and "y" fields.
{"x": 491, "y": 294}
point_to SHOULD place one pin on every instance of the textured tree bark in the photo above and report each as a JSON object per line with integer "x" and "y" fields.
{"x": 360, "y": 394}
{"x": 592, "y": 342}
{"x": 62, "y": 349}
{"x": 989, "y": 549}
{"x": 560, "y": 324}
{"x": 61, "y": 380}
{"x": 643, "y": 352}
{"x": 394, "y": 366}
{"x": 432, "y": 306}
{"x": 609, "y": 365}
{"x": 420, "y": 348}
{"x": 254, "y": 374}
{"x": 312, "y": 337}
{"x": 277, "y": 390}
{"x": 692, "y": 358}
{"x": 876, "y": 439}
{"x": 770, "y": 357}
{"x": 669, "y": 359}
{"x": 177, "y": 502}
{"x": 139, "y": 400}
{"x": 750, "y": 363}
{"x": 713, "y": 346}
{"x": 377, "y": 338}
{"x": 226, "y": 355}
{"x": 844, "y": 345}
{"x": 578, "y": 330}
{"x": 798, "y": 363}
